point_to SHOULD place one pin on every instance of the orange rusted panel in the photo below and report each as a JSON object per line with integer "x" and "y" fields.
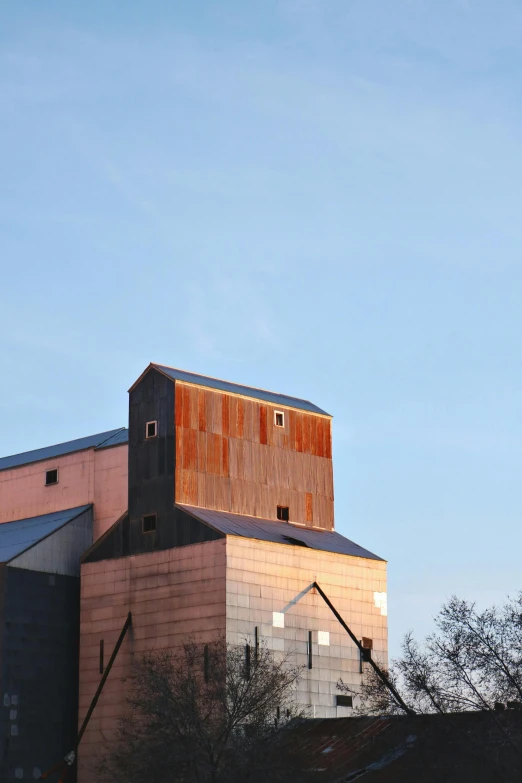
{"x": 185, "y": 406}
{"x": 298, "y": 432}
{"x": 189, "y": 450}
{"x": 306, "y": 434}
{"x": 202, "y": 417}
{"x": 328, "y": 439}
{"x": 262, "y": 424}
{"x": 225, "y": 414}
{"x": 320, "y": 437}
{"x": 224, "y": 446}
{"x": 255, "y": 466}
{"x": 240, "y": 418}
{"x": 232, "y": 422}
{"x": 292, "y": 417}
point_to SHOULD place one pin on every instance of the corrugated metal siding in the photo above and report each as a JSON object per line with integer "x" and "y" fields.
{"x": 235, "y": 388}
{"x": 278, "y": 532}
{"x": 231, "y": 456}
{"x": 39, "y": 671}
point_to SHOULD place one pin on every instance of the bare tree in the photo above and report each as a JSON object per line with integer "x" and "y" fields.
{"x": 472, "y": 662}
{"x": 204, "y": 713}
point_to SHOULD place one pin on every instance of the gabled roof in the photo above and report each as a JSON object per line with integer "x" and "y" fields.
{"x": 277, "y": 532}
{"x": 17, "y": 537}
{"x": 233, "y": 388}
{"x": 102, "y": 440}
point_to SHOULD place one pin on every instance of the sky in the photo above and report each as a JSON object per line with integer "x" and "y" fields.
{"x": 318, "y": 197}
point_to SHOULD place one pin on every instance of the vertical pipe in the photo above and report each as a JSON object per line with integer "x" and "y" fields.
{"x": 247, "y": 661}
{"x": 309, "y": 649}
{"x": 205, "y": 662}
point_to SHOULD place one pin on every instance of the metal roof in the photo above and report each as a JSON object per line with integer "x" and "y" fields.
{"x": 278, "y": 532}
{"x": 101, "y": 441}
{"x": 16, "y": 537}
{"x": 120, "y": 436}
{"x": 235, "y": 388}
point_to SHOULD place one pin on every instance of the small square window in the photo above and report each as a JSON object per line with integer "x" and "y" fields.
{"x": 344, "y": 701}
{"x": 51, "y": 477}
{"x": 149, "y": 523}
{"x": 279, "y": 418}
{"x": 151, "y": 429}
{"x": 283, "y": 513}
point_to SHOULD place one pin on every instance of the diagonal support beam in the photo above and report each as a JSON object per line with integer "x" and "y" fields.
{"x": 394, "y": 692}
{"x": 66, "y": 764}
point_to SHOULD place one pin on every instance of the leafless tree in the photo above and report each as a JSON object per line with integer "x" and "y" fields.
{"x": 204, "y": 713}
{"x": 472, "y": 662}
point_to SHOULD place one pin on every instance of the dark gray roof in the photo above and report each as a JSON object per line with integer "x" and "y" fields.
{"x": 236, "y": 388}
{"x": 102, "y": 440}
{"x": 278, "y": 532}
{"x": 16, "y": 537}
{"x": 120, "y": 436}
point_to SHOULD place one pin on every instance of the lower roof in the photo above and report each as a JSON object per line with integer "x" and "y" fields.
{"x": 102, "y": 440}
{"x": 277, "y": 532}
{"x": 19, "y": 536}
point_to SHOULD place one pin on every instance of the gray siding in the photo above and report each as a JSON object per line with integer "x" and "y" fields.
{"x": 60, "y": 552}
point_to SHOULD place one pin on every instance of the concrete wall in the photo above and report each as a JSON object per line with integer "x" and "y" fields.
{"x": 98, "y": 477}
{"x": 172, "y": 595}
{"x": 263, "y": 578}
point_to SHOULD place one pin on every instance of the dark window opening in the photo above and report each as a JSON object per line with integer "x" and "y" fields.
{"x": 279, "y": 419}
{"x": 101, "y": 657}
{"x": 366, "y": 652}
{"x": 309, "y": 649}
{"x": 151, "y": 429}
{"x": 344, "y": 701}
{"x": 295, "y": 541}
{"x": 149, "y": 523}
{"x": 256, "y": 643}
{"x": 283, "y": 513}
{"x": 51, "y": 477}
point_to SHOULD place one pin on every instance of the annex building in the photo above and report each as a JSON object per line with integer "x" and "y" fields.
{"x": 212, "y": 514}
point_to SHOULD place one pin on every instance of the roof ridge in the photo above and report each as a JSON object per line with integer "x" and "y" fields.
{"x": 224, "y": 380}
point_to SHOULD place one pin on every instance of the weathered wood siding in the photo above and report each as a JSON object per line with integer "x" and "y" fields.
{"x": 230, "y": 456}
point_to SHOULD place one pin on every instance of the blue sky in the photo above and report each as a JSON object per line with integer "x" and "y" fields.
{"x": 321, "y": 197}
